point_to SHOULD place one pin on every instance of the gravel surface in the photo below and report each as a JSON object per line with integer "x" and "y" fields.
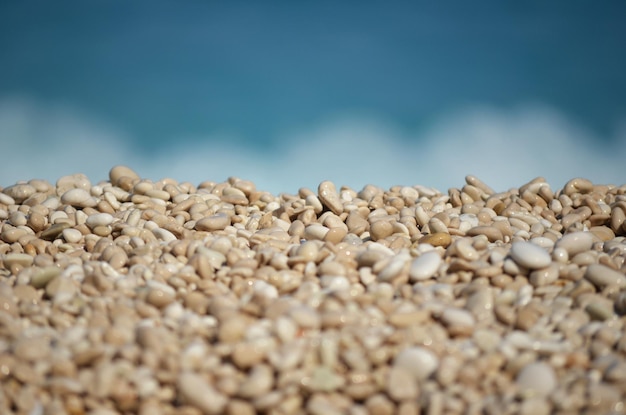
{"x": 137, "y": 297}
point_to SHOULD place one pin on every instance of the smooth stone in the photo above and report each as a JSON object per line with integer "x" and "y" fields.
{"x": 436, "y": 239}
{"x": 119, "y": 172}
{"x": 24, "y": 260}
{"x": 492, "y": 233}
{"x": 44, "y": 275}
{"x": 401, "y": 384}
{"x": 602, "y": 276}
{"x": 381, "y": 229}
{"x": 71, "y": 235}
{"x": 54, "y": 231}
{"x": 19, "y": 192}
{"x": 419, "y": 361}
{"x": 78, "y": 198}
{"x": 159, "y": 294}
{"x": 217, "y": 222}
{"x": 329, "y": 197}
{"x": 530, "y": 255}
{"x": 536, "y": 379}
{"x": 258, "y": 382}
{"x": 99, "y": 219}
{"x": 544, "y": 276}
{"x": 196, "y": 391}
{"x": 425, "y": 266}
{"x": 575, "y": 242}
{"x": 458, "y": 321}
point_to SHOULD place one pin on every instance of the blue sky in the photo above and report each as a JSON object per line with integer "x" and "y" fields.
{"x": 288, "y": 94}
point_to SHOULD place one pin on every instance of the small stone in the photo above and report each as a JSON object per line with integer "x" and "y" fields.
{"x": 458, "y": 321}
{"x": 71, "y": 235}
{"x": 381, "y": 229}
{"x": 217, "y": 222}
{"x": 536, "y": 379}
{"x": 23, "y": 260}
{"x": 258, "y": 382}
{"x": 160, "y": 295}
{"x": 54, "y": 231}
{"x": 329, "y": 197}
{"x": 99, "y": 219}
{"x": 602, "y": 276}
{"x": 117, "y": 173}
{"x": 19, "y": 192}
{"x": 598, "y": 311}
{"x": 437, "y": 239}
{"x": 44, "y": 275}
{"x": 530, "y": 255}
{"x": 419, "y": 361}
{"x": 78, "y": 198}
{"x": 425, "y": 266}
{"x": 575, "y": 242}
{"x": 402, "y": 384}
{"x": 195, "y": 390}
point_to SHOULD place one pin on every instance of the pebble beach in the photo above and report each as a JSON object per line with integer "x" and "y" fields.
{"x": 133, "y": 296}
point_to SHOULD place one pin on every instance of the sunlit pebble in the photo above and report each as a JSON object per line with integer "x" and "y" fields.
{"x": 220, "y": 298}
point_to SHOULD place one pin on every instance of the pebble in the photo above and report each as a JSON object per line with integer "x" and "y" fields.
{"x": 78, "y": 198}
{"x": 536, "y": 379}
{"x": 141, "y": 296}
{"x": 529, "y": 255}
{"x": 212, "y": 223}
{"x": 575, "y": 243}
{"x": 195, "y": 390}
{"x": 425, "y": 266}
{"x": 418, "y": 361}
{"x": 442, "y": 239}
{"x": 329, "y": 197}
{"x": 602, "y": 276}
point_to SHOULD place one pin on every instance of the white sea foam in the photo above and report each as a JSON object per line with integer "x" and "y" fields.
{"x": 503, "y": 148}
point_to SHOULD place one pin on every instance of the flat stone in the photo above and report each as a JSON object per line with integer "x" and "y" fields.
{"x": 425, "y": 266}
{"x": 530, "y": 255}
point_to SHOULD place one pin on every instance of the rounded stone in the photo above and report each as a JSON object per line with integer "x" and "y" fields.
{"x": 602, "y": 276}
{"x": 99, "y": 219}
{"x": 536, "y": 379}
{"x": 418, "y": 361}
{"x": 119, "y": 172}
{"x": 437, "y": 239}
{"x": 217, "y": 222}
{"x": 329, "y": 197}
{"x": 78, "y": 198}
{"x": 575, "y": 242}
{"x": 425, "y": 266}
{"x": 530, "y": 255}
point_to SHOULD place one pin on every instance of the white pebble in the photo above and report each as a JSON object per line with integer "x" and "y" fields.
{"x": 575, "y": 242}
{"x": 424, "y": 266}
{"x": 536, "y": 379}
{"x": 419, "y": 361}
{"x": 99, "y": 219}
{"x": 530, "y": 255}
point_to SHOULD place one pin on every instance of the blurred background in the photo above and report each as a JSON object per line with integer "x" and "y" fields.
{"x": 288, "y": 94}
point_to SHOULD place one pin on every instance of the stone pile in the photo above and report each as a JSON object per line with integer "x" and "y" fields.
{"x": 137, "y": 297}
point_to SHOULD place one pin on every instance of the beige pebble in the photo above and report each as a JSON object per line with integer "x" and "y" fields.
{"x": 19, "y": 192}
{"x": 99, "y": 219}
{"x": 425, "y": 266}
{"x": 530, "y": 255}
{"x": 602, "y": 276}
{"x": 72, "y": 235}
{"x": 328, "y": 195}
{"x": 536, "y": 379}
{"x": 381, "y": 229}
{"x": 437, "y": 239}
{"x": 212, "y": 223}
{"x": 195, "y": 390}
{"x": 402, "y": 384}
{"x": 24, "y": 260}
{"x": 258, "y": 382}
{"x": 575, "y": 242}
{"x": 43, "y": 276}
{"x": 117, "y": 173}
{"x": 418, "y": 361}
{"x": 78, "y": 198}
